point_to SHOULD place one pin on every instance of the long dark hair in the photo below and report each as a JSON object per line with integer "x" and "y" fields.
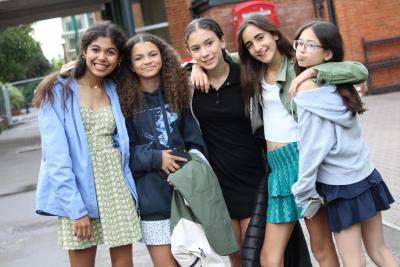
{"x": 252, "y": 70}
{"x": 174, "y": 78}
{"x": 205, "y": 24}
{"x": 44, "y": 91}
{"x": 329, "y": 37}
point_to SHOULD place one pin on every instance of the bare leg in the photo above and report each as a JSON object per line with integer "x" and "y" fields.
{"x": 121, "y": 256}
{"x": 350, "y": 246}
{"x": 82, "y": 257}
{"x": 239, "y": 227}
{"x": 372, "y": 234}
{"x": 275, "y": 240}
{"x": 321, "y": 240}
{"x": 161, "y": 256}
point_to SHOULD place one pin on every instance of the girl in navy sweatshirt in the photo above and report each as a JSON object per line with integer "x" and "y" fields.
{"x": 155, "y": 99}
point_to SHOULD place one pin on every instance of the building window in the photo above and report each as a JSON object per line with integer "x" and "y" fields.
{"x": 149, "y": 19}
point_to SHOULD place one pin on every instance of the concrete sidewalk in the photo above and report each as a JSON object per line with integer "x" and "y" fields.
{"x": 381, "y": 130}
{"x": 24, "y": 131}
{"x": 20, "y": 157}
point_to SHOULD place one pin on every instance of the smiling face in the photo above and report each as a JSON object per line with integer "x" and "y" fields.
{"x": 146, "y": 60}
{"x": 101, "y": 57}
{"x": 315, "y": 54}
{"x": 206, "y": 48}
{"x": 260, "y": 44}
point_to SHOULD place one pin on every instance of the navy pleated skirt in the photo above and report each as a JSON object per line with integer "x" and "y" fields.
{"x": 351, "y": 204}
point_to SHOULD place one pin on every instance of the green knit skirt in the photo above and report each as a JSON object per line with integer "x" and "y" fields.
{"x": 284, "y": 167}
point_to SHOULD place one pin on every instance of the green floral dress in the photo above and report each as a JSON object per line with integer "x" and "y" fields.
{"x": 118, "y": 223}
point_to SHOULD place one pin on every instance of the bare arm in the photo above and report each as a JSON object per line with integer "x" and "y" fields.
{"x": 299, "y": 80}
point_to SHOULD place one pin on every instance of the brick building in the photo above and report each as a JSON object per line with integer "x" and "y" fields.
{"x": 356, "y": 19}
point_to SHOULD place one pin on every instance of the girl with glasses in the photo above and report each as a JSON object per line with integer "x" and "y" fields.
{"x": 333, "y": 160}
{"x": 266, "y": 73}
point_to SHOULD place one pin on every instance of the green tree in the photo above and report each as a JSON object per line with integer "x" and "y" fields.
{"x": 57, "y": 63}
{"x": 20, "y": 55}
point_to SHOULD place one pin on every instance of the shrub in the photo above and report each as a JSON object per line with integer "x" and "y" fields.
{"x": 17, "y": 99}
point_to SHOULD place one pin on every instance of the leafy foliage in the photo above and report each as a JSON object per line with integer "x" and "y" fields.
{"x": 17, "y": 99}
{"x": 20, "y": 55}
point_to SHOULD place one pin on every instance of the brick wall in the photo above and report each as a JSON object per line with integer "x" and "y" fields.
{"x": 178, "y": 16}
{"x": 223, "y": 15}
{"x": 291, "y": 15}
{"x": 372, "y": 20}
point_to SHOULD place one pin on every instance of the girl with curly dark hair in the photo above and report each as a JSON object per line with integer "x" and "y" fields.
{"x": 155, "y": 98}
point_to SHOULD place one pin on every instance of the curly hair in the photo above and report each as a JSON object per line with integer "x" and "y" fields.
{"x": 174, "y": 79}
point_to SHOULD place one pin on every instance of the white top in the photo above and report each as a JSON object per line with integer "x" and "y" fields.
{"x": 279, "y": 125}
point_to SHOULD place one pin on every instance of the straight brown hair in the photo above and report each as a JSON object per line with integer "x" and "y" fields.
{"x": 252, "y": 70}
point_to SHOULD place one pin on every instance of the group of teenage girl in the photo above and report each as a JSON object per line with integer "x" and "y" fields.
{"x": 283, "y": 111}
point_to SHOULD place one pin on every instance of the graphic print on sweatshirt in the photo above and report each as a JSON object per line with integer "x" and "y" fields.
{"x": 158, "y": 120}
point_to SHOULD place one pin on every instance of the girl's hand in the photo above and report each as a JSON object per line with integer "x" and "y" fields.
{"x": 169, "y": 164}
{"x": 305, "y": 75}
{"x": 199, "y": 78}
{"x": 82, "y": 228}
{"x": 67, "y": 67}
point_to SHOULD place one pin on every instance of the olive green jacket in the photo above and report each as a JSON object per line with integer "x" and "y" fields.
{"x": 328, "y": 73}
{"x": 198, "y": 198}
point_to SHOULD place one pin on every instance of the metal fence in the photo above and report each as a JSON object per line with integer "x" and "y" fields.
{"x": 26, "y": 87}
{"x": 2, "y": 104}
{"x": 5, "y": 107}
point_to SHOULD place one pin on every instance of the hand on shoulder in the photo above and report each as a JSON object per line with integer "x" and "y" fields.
{"x": 199, "y": 79}
{"x": 296, "y": 82}
{"x": 307, "y": 85}
{"x": 68, "y": 67}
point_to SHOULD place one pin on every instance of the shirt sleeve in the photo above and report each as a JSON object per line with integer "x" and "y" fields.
{"x": 143, "y": 157}
{"x": 56, "y": 157}
{"x": 316, "y": 140}
{"x": 351, "y": 72}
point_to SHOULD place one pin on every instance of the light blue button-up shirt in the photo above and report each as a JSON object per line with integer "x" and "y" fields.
{"x": 66, "y": 184}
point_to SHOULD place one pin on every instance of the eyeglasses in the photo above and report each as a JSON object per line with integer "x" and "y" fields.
{"x": 308, "y": 46}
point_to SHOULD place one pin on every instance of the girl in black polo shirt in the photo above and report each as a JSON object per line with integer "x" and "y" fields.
{"x": 233, "y": 151}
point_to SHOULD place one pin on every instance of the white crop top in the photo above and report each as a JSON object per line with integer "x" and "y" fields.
{"x": 279, "y": 125}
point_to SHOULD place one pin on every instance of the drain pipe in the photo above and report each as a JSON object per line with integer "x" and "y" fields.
{"x": 127, "y": 16}
{"x": 331, "y": 11}
{"x": 318, "y": 9}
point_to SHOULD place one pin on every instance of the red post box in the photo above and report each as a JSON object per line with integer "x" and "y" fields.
{"x": 248, "y": 8}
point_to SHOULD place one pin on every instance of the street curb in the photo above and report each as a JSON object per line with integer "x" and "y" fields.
{"x": 24, "y": 132}
{"x": 20, "y": 141}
